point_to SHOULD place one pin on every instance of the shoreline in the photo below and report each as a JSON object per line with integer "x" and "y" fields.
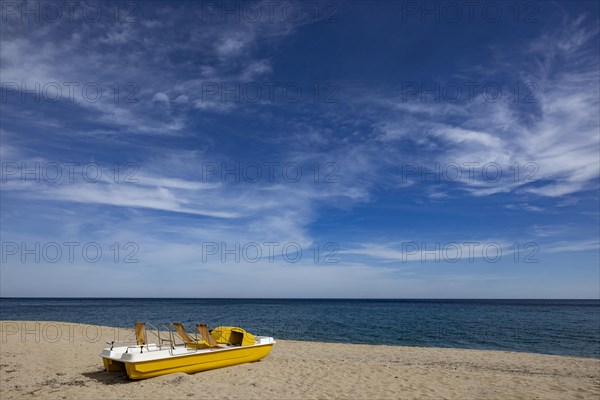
{"x": 48, "y": 359}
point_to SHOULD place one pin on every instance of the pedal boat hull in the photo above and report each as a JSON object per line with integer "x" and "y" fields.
{"x": 150, "y": 361}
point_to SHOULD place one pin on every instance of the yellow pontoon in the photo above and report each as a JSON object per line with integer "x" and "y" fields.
{"x": 222, "y": 347}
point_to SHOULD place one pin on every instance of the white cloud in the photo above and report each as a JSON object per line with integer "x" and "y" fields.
{"x": 255, "y": 69}
{"x": 231, "y": 46}
{"x": 454, "y": 251}
{"x": 524, "y": 207}
{"x": 182, "y": 99}
{"x": 215, "y": 105}
{"x": 561, "y": 247}
{"x": 161, "y": 98}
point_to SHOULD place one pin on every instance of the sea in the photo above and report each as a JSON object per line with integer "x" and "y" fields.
{"x": 562, "y": 327}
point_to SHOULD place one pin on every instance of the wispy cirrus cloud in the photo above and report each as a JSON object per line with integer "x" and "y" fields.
{"x": 73, "y": 52}
{"x": 554, "y": 125}
{"x": 573, "y": 246}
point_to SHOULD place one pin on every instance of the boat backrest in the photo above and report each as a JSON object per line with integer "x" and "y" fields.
{"x": 140, "y": 333}
{"x": 182, "y": 333}
{"x": 189, "y": 341}
{"x": 207, "y": 337}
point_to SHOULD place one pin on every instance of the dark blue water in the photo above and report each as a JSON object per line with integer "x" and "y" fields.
{"x": 567, "y": 327}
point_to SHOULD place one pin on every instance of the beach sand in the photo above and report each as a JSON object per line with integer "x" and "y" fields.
{"x": 50, "y": 360}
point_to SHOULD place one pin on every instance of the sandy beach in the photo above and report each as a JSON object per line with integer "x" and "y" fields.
{"x": 51, "y": 360}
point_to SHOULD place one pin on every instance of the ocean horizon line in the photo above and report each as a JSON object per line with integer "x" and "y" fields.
{"x": 307, "y": 298}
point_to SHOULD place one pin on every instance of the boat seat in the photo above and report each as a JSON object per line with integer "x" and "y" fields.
{"x": 140, "y": 333}
{"x": 207, "y": 337}
{"x": 187, "y": 339}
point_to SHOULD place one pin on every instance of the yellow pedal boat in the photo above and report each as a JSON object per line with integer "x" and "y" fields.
{"x": 178, "y": 351}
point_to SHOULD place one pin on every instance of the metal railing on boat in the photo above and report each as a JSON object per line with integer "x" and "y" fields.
{"x": 170, "y": 340}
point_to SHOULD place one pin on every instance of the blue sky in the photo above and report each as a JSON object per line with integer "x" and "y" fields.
{"x": 425, "y": 149}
